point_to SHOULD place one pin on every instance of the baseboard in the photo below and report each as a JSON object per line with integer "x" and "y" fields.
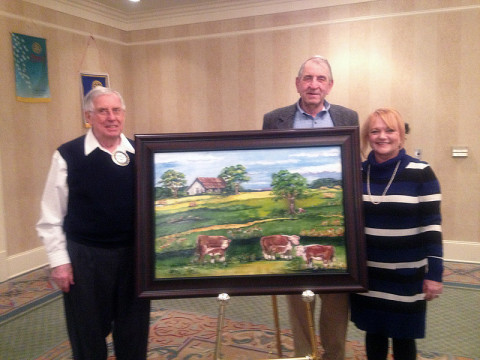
{"x": 15, "y": 265}
{"x": 461, "y": 251}
{"x": 3, "y": 267}
{"x": 24, "y": 262}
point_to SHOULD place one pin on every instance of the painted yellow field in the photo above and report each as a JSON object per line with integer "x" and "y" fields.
{"x": 257, "y": 268}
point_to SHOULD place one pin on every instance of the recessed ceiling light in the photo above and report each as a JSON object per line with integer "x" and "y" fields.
{"x": 134, "y": 0}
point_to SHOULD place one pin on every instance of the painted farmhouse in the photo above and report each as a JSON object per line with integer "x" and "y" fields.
{"x": 209, "y": 185}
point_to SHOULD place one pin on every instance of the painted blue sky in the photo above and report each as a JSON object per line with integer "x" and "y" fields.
{"x": 311, "y": 162}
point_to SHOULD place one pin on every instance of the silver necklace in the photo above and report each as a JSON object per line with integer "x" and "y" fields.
{"x": 386, "y": 189}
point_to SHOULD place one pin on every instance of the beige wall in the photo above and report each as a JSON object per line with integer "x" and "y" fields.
{"x": 421, "y": 57}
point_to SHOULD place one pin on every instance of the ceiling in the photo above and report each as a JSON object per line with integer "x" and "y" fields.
{"x": 146, "y": 14}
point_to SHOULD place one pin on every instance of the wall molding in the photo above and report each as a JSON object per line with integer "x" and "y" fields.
{"x": 189, "y": 13}
{"x": 58, "y": 27}
{"x": 3, "y": 231}
{"x": 306, "y": 25}
{"x": 19, "y": 264}
{"x": 240, "y": 32}
{"x": 3, "y": 266}
{"x": 461, "y": 251}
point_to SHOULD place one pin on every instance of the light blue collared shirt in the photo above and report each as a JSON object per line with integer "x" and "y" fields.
{"x": 305, "y": 121}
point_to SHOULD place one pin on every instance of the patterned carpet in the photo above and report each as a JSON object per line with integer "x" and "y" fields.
{"x": 185, "y": 335}
{"x": 181, "y": 334}
{"x": 195, "y": 337}
{"x": 24, "y": 292}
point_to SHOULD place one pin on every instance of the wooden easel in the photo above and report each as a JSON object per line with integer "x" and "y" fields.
{"x": 307, "y": 296}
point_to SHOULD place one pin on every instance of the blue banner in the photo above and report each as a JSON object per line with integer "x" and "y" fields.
{"x": 88, "y": 82}
{"x": 31, "y": 70}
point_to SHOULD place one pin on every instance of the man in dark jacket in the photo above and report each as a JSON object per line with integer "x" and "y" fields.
{"x": 314, "y": 82}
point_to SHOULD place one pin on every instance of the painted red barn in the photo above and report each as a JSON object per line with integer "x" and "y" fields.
{"x": 209, "y": 185}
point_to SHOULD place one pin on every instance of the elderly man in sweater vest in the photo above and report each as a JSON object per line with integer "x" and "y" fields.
{"x": 87, "y": 226}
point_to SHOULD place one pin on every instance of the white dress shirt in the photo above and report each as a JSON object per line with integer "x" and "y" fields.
{"x": 53, "y": 206}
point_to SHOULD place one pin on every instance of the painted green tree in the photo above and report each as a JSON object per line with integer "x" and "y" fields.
{"x": 233, "y": 177}
{"x": 289, "y": 186}
{"x": 173, "y": 181}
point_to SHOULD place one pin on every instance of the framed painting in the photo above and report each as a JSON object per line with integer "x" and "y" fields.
{"x": 249, "y": 213}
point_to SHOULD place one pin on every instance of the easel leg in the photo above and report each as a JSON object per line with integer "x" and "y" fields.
{"x": 223, "y": 299}
{"x": 308, "y": 297}
{"x": 277, "y": 325}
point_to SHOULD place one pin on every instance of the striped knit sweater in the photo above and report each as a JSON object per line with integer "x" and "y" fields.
{"x": 404, "y": 246}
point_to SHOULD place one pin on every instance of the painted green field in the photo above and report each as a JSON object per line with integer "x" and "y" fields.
{"x": 245, "y": 218}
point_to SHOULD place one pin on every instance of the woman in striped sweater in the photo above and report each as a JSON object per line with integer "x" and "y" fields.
{"x": 401, "y": 198}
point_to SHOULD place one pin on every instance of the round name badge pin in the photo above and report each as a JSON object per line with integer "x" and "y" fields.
{"x": 120, "y": 158}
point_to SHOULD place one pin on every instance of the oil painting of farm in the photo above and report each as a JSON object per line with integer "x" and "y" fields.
{"x": 258, "y": 211}
{"x": 249, "y": 212}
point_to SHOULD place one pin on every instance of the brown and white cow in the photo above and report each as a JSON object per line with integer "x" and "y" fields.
{"x": 280, "y": 245}
{"x": 214, "y": 246}
{"x": 325, "y": 253}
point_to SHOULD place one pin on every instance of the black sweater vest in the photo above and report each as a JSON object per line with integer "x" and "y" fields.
{"x": 101, "y": 197}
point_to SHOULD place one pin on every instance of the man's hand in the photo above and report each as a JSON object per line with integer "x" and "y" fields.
{"x": 62, "y": 275}
{"x": 432, "y": 289}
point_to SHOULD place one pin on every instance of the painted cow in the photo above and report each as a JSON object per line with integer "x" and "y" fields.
{"x": 280, "y": 245}
{"x": 214, "y": 246}
{"x": 325, "y": 253}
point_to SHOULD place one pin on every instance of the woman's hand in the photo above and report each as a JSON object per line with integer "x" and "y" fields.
{"x": 432, "y": 289}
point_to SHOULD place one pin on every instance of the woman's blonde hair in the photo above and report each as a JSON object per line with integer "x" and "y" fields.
{"x": 391, "y": 117}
